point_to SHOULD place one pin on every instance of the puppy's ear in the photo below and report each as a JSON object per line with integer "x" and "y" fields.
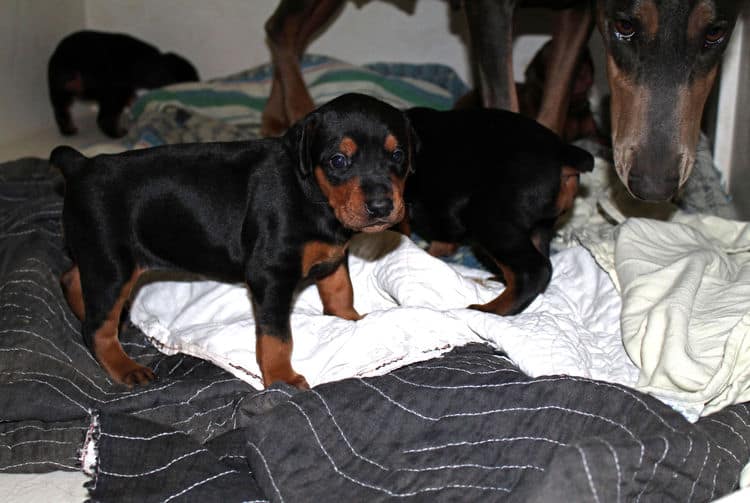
{"x": 577, "y": 158}
{"x": 299, "y": 139}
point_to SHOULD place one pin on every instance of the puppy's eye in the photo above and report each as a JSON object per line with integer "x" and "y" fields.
{"x": 397, "y": 156}
{"x": 714, "y": 36}
{"x": 624, "y": 29}
{"x": 338, "y": 161}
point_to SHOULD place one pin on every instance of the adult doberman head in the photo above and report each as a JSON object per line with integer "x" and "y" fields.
{"x": 662, "y": 60}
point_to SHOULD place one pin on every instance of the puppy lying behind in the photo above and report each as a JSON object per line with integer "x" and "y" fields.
{"x": 267, "y": 212}
{"x": 498, "y": 181}
{"x": 108, "y": 68}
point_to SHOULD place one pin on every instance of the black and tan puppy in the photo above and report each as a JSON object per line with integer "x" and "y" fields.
{"x": 267, "y": 212}
{"x": 496, "y": 180}
{"x": 108, "y": 68}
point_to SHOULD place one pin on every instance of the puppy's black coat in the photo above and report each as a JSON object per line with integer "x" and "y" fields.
{"x": 498, "y": 181}
{"x": 108, "y": 68}
{"x": 267, "y": 212}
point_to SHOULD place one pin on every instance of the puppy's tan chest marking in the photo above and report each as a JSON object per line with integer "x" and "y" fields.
{"x": 317, "y": 252}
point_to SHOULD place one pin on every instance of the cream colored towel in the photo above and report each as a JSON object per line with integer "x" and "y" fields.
{"x": 685, "y": 287}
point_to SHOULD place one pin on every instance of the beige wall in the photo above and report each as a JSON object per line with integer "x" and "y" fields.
{"x": 29, "y": 32}
{"x": 224, "y": 36}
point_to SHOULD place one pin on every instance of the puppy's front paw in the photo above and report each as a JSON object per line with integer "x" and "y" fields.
{"x": 121, "y": 367}
{"x": 349, "y": 314}
{"x": 292, "y": 378}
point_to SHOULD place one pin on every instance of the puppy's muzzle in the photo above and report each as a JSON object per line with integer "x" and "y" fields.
{"x": 379, "y": 208}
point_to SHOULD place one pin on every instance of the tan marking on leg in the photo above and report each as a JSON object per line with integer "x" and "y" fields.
{"x": 71, "y": 283}
{"x": 337, "y": 294}
{"x": 274, "y": 357}
{"x": 108, "y": 350}
{"x": 442, "y": 248}
{"x": 318, "y": 252}
{"x": 569, "y": 178}
{"x": 504, "y": 302}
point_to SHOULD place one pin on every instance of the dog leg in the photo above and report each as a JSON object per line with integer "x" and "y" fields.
{"x": 572, "y": 31}
{"x": 100, "y": 327}
{"x": 272, "y": 305}
{"x": 491, "y": 35}
{"x": 112, "y": 101}
{"x": 71, "y": 284}
{"x": 525, "y": 270}
{"x": 62, "y": 99}
{"x": 337, "y": 294}
{"x": 289, "y": 31}
{"x": 274, "y": 357}
{"x": 442, "y": 248}
{"x": 569, "y": 181}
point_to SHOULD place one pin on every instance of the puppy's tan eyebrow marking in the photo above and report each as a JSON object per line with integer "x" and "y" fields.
{"x": 347, "y": 146}
{"x": 391, "y": 143}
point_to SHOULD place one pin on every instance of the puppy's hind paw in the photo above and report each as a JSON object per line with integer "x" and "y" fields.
{"x": 138, "y": 376}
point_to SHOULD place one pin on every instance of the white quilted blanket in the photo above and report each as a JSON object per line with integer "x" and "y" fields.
{"x": 416, "y": 310}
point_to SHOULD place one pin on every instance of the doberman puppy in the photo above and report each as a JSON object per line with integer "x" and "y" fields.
{"x": 496, "y": 180}
{"x": 662, "y": 60}
{"x": 108, "y": 68}
{"x": 268, "y": 212}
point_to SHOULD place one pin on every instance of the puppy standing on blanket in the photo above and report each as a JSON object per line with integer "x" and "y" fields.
{"x": 267, "y": 212}
{"x": 496, "y": 180}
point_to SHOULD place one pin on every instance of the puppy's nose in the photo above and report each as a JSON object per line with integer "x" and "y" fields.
{"x": 378, "y": 208}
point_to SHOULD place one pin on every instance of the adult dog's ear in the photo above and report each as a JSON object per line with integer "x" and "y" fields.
{"x": 299, "y": 139}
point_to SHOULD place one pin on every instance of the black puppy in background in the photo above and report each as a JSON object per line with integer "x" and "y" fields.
{"x": 496, "y": 180}
{"x": 108, "y": 68}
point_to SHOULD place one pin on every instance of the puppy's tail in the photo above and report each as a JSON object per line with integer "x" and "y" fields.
{"x": 577, "y": 158}
{"x": 67, "y": 159}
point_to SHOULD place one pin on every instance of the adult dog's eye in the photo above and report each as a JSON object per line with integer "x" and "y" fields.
{"x": 397, "y": 156}
{"x": 624, "y": 29}
{"x": 714, "y": 36}
{"x": 338, "y": 161}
